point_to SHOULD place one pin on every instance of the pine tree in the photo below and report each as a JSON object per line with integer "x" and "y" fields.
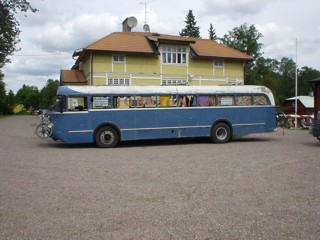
{"x": 212, "y": 33}
{"x": 190, "y": 29}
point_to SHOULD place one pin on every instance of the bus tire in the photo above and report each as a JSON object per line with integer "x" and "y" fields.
{"x": 221, "y": 133}
{"x": 107, "y": 137}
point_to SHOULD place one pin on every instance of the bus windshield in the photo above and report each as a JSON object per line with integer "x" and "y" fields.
{"x": 60, "y": 104}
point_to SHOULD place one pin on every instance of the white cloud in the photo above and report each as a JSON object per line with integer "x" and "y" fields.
{"x": 75, "y": 33}
{"x": 230, "y": 9}
{"x": 279, "y": 41}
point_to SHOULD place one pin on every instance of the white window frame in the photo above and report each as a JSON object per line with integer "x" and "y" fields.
{"x": 119, "y": 59}
{"x": 173, "y": 82}
{"x": 174, "y": 55}
{"x": 218, "y": 63}
{"x": 119, "y": 81}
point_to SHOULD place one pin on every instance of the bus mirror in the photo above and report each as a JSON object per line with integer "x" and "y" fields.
{"x": 62, "y": 104}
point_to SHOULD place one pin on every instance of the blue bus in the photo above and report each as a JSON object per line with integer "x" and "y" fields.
{"x": 107, "y": 115}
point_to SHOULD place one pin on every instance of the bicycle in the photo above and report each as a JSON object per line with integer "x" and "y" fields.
{"x": 44, "y": 128}
{"x": 282, "y": 120}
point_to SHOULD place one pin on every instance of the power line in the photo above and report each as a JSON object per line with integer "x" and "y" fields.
{"x": 41, "y": 55}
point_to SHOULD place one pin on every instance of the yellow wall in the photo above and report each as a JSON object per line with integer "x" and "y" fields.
{"x": 102, "y": 62}
{"x": 142, "y": 64}
{"x": 174, "y": 69}
{"x": 200, "y": 66}
{"x": 233, "y": 68}
{"x": 147, "y": 69}
{"x": 99, "y": 81}
{"x": 86, "y": 66}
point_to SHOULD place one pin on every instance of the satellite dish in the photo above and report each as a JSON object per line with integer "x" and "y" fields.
{"x": 146, "y": 28}
{"x": 132, "y": 22}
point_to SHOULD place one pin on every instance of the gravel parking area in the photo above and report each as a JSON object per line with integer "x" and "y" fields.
{"x": 262, "y": 186}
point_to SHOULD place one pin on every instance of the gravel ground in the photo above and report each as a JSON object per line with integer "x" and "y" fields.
{"x": 262, "y": 186}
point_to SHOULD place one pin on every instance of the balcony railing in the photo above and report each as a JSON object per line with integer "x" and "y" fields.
{"x": 120, "y": 78}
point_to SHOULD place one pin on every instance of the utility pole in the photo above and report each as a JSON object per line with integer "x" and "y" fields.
{"x": 296, "y": 88}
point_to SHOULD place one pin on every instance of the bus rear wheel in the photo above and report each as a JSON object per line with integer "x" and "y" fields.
{"x": 107, "y": 137}
{"x": 221, "y": 133}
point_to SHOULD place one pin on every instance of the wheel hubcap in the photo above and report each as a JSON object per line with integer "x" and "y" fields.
{"x": 221, "y": 133}
{"x": 107, "y": 137}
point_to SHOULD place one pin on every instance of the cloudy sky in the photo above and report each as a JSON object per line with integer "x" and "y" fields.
{"x": 50, "y": 36}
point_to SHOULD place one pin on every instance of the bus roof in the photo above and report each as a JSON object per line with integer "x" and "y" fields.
{"x": 162, "y": 90}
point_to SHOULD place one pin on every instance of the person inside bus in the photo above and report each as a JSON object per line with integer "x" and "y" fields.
{"x": 140, "y": 102}
{"x": 212, "y": 101}
{"x": 183, "y": 101}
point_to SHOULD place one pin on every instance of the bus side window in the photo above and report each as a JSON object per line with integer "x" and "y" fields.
{"x": 139, "y": 102}
{"x": 121, "y": 102}
{"x": 129, "y": 101}
{"x": 244, "y": 100}
{"x": 150, "y": 101}
{"x": 203, "y": 101}
{"x": 260, "y": 100}
{"x": 116, "y": 102}
{"x": 212, "y": 100}
{"x": 167, "y": 101}
{"x": 225, "y": 100}
{"x": 101, "y": 102}
{"x": 77, "y": 104}
{"x": 184, "y": 101}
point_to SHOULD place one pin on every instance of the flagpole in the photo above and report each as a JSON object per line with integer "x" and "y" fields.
{"x": 296, "y": 88}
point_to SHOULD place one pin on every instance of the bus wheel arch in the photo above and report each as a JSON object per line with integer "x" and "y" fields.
{"x": 107, "y": 136}
{"x": 221, "y": 131}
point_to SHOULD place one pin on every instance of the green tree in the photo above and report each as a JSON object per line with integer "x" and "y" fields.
{"x": 245, "y": 39}
{"x": 48, "y": 94}
{"x": 28, "y": 96}
{"x": 3, "y": 99}
{"x": 11, "y": 99}
{"x": 265, "y": 72}
{"x": 304, "y": 75}
{"x": 9, "y": 28}
{"x": 287, "y": 72}
{"x": 191, "y": 29}
{"x": 212, "y": 33}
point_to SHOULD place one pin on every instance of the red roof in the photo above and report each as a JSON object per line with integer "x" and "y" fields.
{"x": 144, "y": 42}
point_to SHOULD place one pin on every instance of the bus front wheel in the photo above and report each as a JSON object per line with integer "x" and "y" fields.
{"x": 107, "y": 137}
{"x": 221, "y": 133}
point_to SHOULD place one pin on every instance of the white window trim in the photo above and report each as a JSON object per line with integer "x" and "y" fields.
{"x": 118, "y": 81}
{"x": 220, "y": 63}
{"x": 173, "y": 82}
{"x": 117, "y": 61}
{"x": 183, "y": 53}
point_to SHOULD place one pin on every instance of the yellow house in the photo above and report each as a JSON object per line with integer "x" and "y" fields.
{"x": 144, "y": 58}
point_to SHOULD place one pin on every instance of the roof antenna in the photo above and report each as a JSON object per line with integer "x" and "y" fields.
{"x": 146, "y": 27}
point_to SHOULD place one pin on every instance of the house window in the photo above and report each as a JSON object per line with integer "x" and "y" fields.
{"x": 218, "y": 63}
{"x": 174, "y": 55}
{"x": 119, "y": 81}
{"x": 174, "y": 82}
{"x": 118, "y": 59}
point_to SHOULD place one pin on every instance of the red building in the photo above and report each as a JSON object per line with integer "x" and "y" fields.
{"x": 305, "y": 106}
{"x": 315, "y": 83}
{"x": 305, "y": 111}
